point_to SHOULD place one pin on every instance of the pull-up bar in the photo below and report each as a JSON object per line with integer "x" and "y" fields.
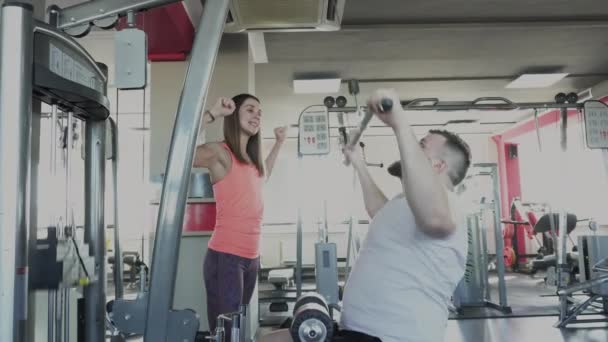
{"x": 433, "y": 104}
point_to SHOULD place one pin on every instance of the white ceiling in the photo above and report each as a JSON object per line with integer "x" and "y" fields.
{"x": 452, "y": 50}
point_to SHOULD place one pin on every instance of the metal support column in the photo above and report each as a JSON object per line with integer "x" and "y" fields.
{"x": 178, "y": 169}
{"x": 118, "y": 265}
{"x": 299, "y": 256}
{"x": 30, "y": 327}
{"x": 500, "y": 265}
{"x": 16, "y": 60}
{"x": 94, "y": 230}
{"x": 562, "y": 224}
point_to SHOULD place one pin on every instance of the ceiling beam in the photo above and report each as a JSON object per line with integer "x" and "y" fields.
{"x": 486, "y": 23}
{"x": 458, "y": 78}
{"x": 257, "y": 45}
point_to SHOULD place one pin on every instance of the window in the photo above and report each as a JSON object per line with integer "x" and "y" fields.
{"x": 575, "y": 180}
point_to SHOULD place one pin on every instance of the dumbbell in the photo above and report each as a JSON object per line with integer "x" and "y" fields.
{"x": 311, "y": 320}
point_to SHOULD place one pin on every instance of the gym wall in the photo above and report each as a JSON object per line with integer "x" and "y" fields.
{"x": 230, "y": 77}
{"x": 579, "y": 185}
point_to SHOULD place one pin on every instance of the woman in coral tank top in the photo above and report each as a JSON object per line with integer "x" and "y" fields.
{"x": 238, "y": 173}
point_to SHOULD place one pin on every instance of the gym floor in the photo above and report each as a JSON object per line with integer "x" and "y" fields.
{"x": 534, "y": 312}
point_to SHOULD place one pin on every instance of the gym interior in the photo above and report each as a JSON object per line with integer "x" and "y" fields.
{"x": 105, "y": 224}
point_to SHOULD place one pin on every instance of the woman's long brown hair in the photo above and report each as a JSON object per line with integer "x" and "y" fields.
{"x": 232, "y": 133}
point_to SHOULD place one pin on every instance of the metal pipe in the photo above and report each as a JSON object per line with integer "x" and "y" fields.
{"x": 583, "y": 286}
{"x": 66, "y": 316}
{"x": 417, "y": 104}
{"x": 299, "y": 252}
{"x": 52, "y": 299}
{"x": 69, "y": 138}
{"x": 562, "y": 232}
{"x": 58, "y": 315}
{"x": 484, "y": 261}
{"x": 325, "y": 224}
{"x": 235, "y": 331}
{"x": 53, "y": 159}
{"x": 94, "y": 233}
{"x": 569, "y": 317}
{"x": 500, "y": 259}
{"x": 354, "y": 138}
{"x": 455, "y": 78}
{"x": 90, "y": 11}
{"x": 33, "y": 205}
{"x": 179, "y": 164}
{"x": 537, "y": 126}
{"x": 498, "y": 23}
{"x": 52, "y": 294}
{"x": 118, "y": 264}
{"x": 564, "y": 129}
{"x": 16, "y": 60}
{"x": 244, "y": 323}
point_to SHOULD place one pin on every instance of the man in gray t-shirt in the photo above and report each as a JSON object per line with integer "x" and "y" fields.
{"x": 415, "y": 251}
{"x": 414, "y": 254}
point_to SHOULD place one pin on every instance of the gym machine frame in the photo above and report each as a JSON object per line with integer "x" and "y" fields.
{"x": 500, "y": 263}
{"x": 596, "y": 286}
{"x": 155, "y": 317}
{"x": 26, "y": 72}
{"x": 567, "y": 315}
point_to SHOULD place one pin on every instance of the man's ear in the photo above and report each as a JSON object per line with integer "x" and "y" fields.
{"x": 439, "y": 164}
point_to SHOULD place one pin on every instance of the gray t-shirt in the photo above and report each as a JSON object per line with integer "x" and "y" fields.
{"x": 401, "y": 284}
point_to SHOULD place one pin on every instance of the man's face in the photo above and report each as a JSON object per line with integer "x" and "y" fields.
{"x": 433, "y": 147}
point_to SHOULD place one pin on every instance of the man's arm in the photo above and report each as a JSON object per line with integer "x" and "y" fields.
{"x": 426, "y": 195}
{"x": 280, "y": 134}
{"x": 373, "y": 197}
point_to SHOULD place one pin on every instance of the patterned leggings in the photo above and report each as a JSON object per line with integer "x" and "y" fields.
{"x": 229, "y": 281}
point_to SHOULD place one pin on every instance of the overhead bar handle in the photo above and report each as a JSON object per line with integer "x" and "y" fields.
{"x": 493, "y": 98}
{"x": 417, "y": 102}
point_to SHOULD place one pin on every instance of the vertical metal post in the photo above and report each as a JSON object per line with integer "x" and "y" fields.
{"x": 500, "y": 258}
{"x": 52, "y": 294}
{"x": 118, "y": 265}
{"x": 94, "y": 233}
{"x": 484, "y": 257}
{"x": 69, "y": 138}
{"x": 351, "y": 223}
{"x": 30, "y": 325}
{"x": 59, "y": 303}
{"x": 67, "y": 230}
{"x": 179, "y": 165}
{"x": 562, "y": 224}
{"x": 16, "y": 59}
{"x": 299, "y": 238}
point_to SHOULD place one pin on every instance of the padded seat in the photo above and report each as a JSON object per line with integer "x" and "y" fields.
{"x": 281, "y": 277}
{"x": 551, "y": 260}
{"x": 544, "y": 223}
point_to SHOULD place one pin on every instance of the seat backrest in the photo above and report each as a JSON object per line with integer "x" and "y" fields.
{"x": 544, "y": 223}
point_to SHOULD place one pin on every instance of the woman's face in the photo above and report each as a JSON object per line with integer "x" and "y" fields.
{"x": 250, "y": 116}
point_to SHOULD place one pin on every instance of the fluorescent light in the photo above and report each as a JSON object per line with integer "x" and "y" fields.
{"x": 319, "y": 86}
{"x": 535, "y": 81}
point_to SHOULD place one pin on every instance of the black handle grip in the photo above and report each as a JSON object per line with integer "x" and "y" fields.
{"x": 343, "y": 133}
{"x": 386, "y": 105}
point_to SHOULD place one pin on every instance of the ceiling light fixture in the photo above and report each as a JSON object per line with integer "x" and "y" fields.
{"x": 317, "y": 86}
{"x": 527, "y": 81}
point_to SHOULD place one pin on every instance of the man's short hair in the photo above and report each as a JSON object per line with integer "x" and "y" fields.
{"x": 459, "y": 165}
